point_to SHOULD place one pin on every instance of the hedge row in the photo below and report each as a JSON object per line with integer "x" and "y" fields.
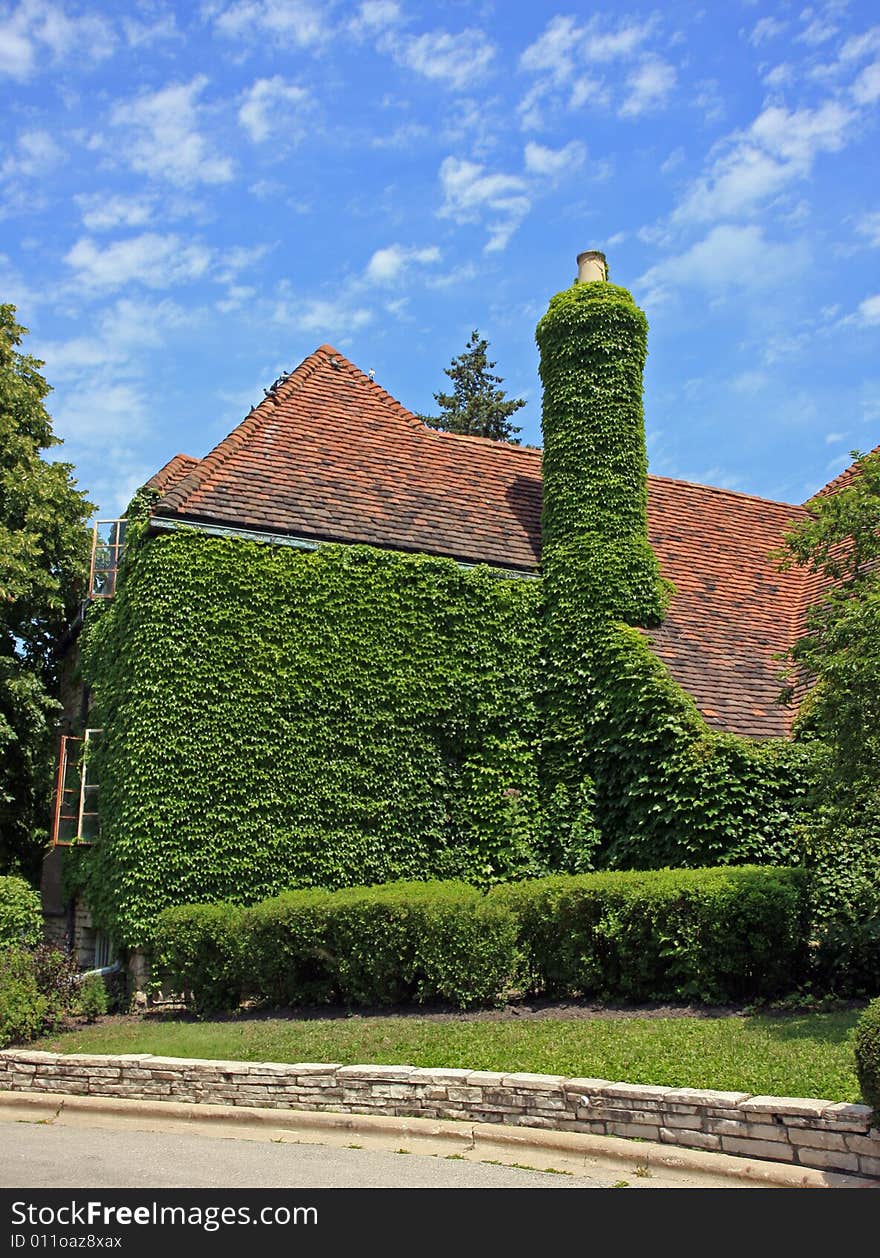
{"x": 712, "y": 935}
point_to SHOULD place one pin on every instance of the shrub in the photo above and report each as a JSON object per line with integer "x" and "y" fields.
{"x": 91, "y": 998}
{"x": 868, "y": 1054}
{"x": 23, "y": 1007}
{"x": 391, "y": 944}
{"x": 421, "y": 941}
{"x": 287, "y": 961}
{"x": 57, "y": 975}
{"x": 707, "y": 934}
{"x": 21, "y": 918}
{"x": 199, "y": 946}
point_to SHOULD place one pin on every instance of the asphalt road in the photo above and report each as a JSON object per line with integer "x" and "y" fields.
{"x": 48, "y": 1155}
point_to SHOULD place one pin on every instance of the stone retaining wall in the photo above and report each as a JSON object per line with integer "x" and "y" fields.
{"x": 821, "y": 1134}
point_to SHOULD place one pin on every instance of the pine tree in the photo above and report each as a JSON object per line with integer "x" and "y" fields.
{"x": 476, "y": 407}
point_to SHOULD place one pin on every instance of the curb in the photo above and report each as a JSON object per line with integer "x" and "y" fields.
{"x": 477, "y": 1141}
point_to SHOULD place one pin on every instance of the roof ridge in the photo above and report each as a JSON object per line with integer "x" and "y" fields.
{"x": 233, "y": 441}
{"x": 843, "y": 476}
{"x": 719, "y": 489}
{"x": 415, "y": 421}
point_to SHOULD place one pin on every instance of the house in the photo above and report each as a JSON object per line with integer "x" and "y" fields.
{"x": 330, "y": 463}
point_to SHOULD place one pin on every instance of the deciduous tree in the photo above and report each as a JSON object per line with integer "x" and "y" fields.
{"x": 43, "y": 558}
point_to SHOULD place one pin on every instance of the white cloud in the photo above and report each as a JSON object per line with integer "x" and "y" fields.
{"x": 389, "y": 265}
{"x": 818, "y": 32}
{"x": 35, "y": 32}
{"x": 564, "y": 57}
{"x": 17, "y": 292}
{"x": 274, "y": 107}
{"x": 766, "y": 28}
{"x": 101, "y": 406}
{"x": 35, "y": 154}
{"x": 456, "y": 61}
{"x": 779, "y": 76}
{"x": 123, "y": 330}
{"x": 104, "y": 213}
{"x": 859, "y": 46}
{"x": 149, "y": 259}
{"x": 336, "y": 318}
{"x": 750, "y": 383}
{"x": 778, "y": 148}
{"x": 869, "y": 226}
{"x": 549, "y": 162}
{"x": 144, "y": 34}
{"x": 648, "y": 87}
{"x": 469, "y": 193}
{"x": 374, "y": 16}
{"x": 869, "y": 311}
{"x": 832, "y": 438}
{"x": 866, "y": 88}
{"x": 553, "y": 52}
{"x": 298, "y": 22}
{"x": 729, "y": 258}
{"x": 162, "y": 136}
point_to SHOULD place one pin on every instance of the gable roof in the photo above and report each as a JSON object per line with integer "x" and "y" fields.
{"x": 173, "y": 471}
{"x": 330, "y": 455}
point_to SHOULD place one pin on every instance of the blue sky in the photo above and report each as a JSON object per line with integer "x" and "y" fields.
{"x": 193, "y": 197}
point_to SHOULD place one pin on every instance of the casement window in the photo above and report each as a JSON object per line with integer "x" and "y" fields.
{"x": 108, "y": 542}
{"x": 76, "y": 791}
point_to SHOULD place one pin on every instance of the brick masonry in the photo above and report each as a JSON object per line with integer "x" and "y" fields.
{"x": 803, "y": 1132}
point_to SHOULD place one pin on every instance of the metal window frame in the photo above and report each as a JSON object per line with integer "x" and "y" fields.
{"x": 115, "y": 547}
{"x": 64, "y": 761}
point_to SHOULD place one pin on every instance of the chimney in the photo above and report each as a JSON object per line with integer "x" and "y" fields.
{"x": 593, "y": 341}
{"x": 592, "y": 267}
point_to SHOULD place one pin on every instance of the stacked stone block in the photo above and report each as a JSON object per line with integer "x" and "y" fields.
{"x": 804, "y": 1132}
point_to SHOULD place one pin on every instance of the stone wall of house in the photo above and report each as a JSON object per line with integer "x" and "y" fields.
{"x": 803, "y": 1132}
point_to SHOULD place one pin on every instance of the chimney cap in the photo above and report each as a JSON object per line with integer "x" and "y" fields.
{"x": 592, "y": 266}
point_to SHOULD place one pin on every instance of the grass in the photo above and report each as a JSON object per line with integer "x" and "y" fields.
{"x": 802, "y": 1054}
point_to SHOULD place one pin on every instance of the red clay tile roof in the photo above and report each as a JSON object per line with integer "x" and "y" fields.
{"x": 173, "y": 471}
{"x": 329, "y": 455}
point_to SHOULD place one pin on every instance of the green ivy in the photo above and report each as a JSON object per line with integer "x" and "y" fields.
{"x": 278, "y": 718}
{"x": 626, "y": 751}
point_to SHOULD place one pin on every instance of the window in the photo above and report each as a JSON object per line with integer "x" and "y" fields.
{"x": 108, "y": 542}
{"x": 76, "y": 792}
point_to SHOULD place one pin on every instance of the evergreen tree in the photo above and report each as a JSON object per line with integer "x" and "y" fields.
{"x": 477, "y": 407}
{"x": 44, "y": 547}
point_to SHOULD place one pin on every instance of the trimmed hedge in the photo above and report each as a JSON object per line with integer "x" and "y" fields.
{"x": 21, "y": 917}
{"x": 712, "y": 935}
{"x": 399, "y": 943}
{"x": 199, "y": 946}
{"x": 868, "y": 1054}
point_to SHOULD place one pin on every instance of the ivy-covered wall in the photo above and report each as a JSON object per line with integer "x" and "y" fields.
{"x": 278, "y": 718}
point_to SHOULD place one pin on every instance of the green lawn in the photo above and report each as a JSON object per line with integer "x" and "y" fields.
{"x": 787, "y": 1055}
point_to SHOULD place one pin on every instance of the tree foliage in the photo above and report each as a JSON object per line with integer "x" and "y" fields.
{"x": 838, "y": 658}
{"x": 476, "y": 407}
{"x": 43, "y": 556}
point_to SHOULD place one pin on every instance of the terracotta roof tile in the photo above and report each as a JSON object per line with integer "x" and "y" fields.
{"x": 173, "y": 471}
{"x": 329, "y": 455}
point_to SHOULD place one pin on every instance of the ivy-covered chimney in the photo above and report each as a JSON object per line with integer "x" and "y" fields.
{"x": 598, "y": 565}
{"x": 593, "y": 343}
